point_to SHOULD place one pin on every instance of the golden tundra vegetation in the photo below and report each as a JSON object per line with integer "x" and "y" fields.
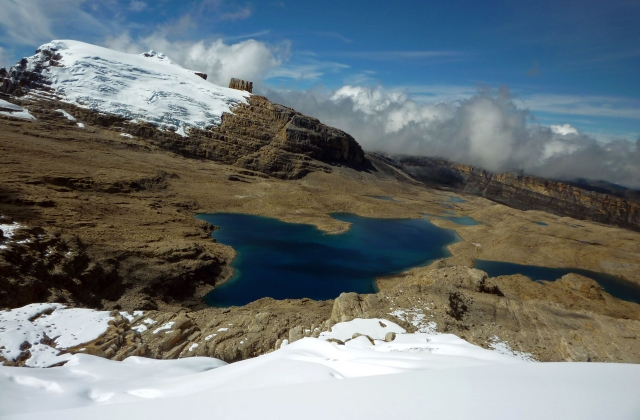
{"x": 110, "y": 222}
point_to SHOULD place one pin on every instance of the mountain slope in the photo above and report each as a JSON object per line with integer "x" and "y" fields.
{"x": 150, "y": 97}
{"x": 574, "y": 199}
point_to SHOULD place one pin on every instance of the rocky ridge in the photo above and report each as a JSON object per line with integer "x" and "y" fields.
{"x": 571, "y": 319}
{"x": 523, "y": 192}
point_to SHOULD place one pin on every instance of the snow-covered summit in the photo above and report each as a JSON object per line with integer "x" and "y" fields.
{"x": 140, "y": 87}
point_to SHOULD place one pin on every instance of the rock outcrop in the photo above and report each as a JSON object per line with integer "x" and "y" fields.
{"x": 571, "y": 319}
{"x": 524, "y": 192}
{"x": 20, "y": 79}
{"x": 241, "y": 85}
{"x": 39, "y": 265}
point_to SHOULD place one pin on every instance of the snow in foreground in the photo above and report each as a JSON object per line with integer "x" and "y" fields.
{"x": 13, "y": 110}
{"x": 416, "y": 376}
{"x": 45, "y": 329}
{"x": 146, "y": 87}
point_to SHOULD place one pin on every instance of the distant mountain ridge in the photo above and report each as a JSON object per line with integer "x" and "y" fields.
{"x": 581, "y": 199}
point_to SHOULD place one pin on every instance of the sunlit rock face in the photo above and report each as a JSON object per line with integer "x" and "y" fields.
{"x": 159, "y": 98}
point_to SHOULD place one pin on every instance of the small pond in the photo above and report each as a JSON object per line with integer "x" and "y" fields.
{"x": 457, "y": 200}
{"x": 542, "y": 224}
{"x": 615, "y": 286}
{"x": 383, "y": 197}
{"x": 287, "y": 260}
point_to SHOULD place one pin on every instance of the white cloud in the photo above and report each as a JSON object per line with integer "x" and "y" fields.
{"x": 248, "y": 60}
{"x": 308, "y": 69}
{"x": 487, "y": 130}
{"x": 34, "y": 22}
{"x": 564, "y": 130}
{"x": 400, "y": 55}
{"x": 240, "y": 14}
{"x": 137, "y": 6}
{"x": 586, "y": 105}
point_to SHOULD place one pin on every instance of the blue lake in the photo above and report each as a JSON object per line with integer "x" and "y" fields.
{"x": 286, "y": 260}
{"x": 615, "y": 286}
{"x": 457, "y": 200}
{"x": 542, "y": 224}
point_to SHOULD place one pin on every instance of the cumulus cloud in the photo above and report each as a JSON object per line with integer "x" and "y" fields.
{"x": 565, "y": 130}
{"x": 488, "y": 130}
{"x": 249, "y": 59}
{"x": 34, "y": 22}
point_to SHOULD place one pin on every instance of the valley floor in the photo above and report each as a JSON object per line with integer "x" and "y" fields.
{"x": 109, "y": 224}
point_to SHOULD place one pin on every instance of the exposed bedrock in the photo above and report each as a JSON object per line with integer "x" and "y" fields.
{"x": 605, "y": 204}
{"x": 41, "y": 265}
{"x": 260, "y": 135}
{"x": 571, "y": 319}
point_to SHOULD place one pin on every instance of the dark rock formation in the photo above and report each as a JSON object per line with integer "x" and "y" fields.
{"x": 241, "y": 85}
{"x": 526, "y": 192}
{"x": 40, "y": 266}
{"x": 203, "y": 75}
{"x": 20, "y": 79}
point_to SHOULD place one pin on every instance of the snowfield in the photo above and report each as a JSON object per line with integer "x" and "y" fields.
{"x": 36, "y": 324}
{"x": 146, "y": 87}
{"x": 415, "y": 376}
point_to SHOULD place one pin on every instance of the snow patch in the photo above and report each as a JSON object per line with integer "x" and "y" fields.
{"x": 503, "y": 347}
{"x": 374, "y": 328}
{"x": 29, "y": 329}
{"x": 417, "y": 318}
{"x": 13, "y": 110}
{"x": 139, "y": 328}
{"x": 166, "y": 326}
{"x": 66, "y": 115}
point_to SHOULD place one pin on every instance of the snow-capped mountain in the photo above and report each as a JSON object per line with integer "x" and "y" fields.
{"x": 146, "y": 87}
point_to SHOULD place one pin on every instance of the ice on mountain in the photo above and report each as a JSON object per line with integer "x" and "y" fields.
{"x": 147, "y": 87}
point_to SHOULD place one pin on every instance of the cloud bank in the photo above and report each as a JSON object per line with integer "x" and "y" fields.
{"x": 249, "y": 59}
{"x": 487, "y": 130}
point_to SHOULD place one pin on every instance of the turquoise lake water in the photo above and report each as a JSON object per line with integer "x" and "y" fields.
{"x": 615, "y": 286}
{"x": 457, "y": 200}
{"x": 542, "y": 224}
{"x": 286, "y": 260}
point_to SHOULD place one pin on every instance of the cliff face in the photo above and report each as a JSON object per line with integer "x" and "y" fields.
{"x": 263, "y": 137}
{"x": 524, "y": 192}
{"x": 276, "y": 140}
{"x": 247, "y": 131}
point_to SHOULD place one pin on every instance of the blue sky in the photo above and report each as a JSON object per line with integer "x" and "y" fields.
{"x": 587, "y": 51}
{"x": 575, "y": 62}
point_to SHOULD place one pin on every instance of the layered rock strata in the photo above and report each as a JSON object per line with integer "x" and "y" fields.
{"x": 524, "y": 192}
